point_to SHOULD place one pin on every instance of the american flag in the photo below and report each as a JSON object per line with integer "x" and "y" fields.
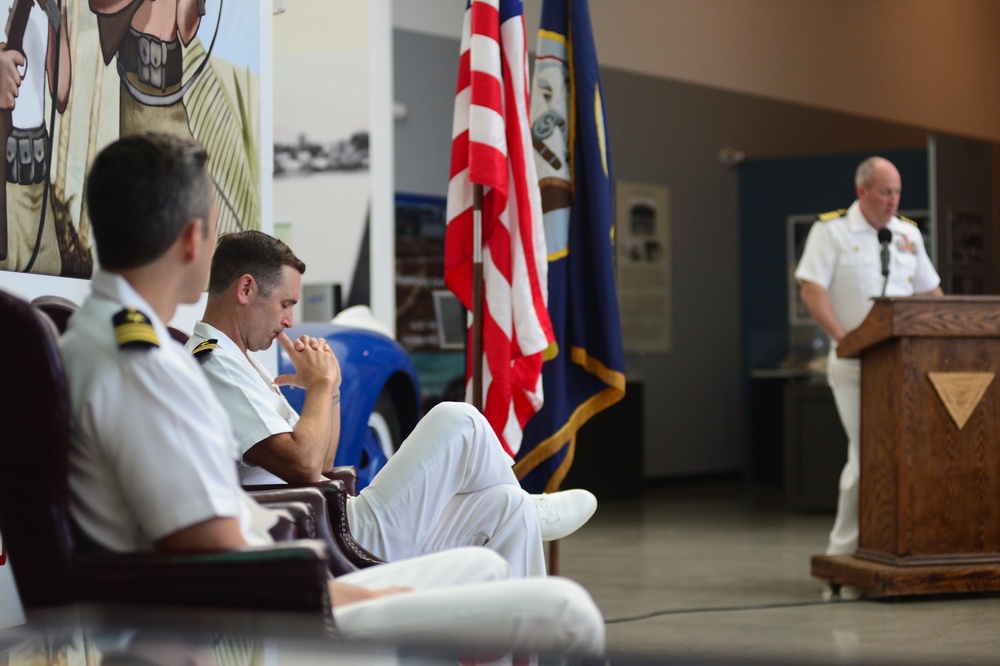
{"x": 492, "y": 147}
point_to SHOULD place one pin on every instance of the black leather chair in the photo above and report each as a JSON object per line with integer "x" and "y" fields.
{"x": 49, "y": 562}
{"x": 178, "y": 335}
{"x": 335, "y": 530}
{"x": 346, "y": 554}
{"x": 57, "y": 308}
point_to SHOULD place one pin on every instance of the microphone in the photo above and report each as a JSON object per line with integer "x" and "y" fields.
{"x": 884, "y": 238}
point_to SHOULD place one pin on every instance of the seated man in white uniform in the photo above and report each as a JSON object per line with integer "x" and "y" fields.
{"x": 153, "y": 461}
{"x": 449, "y": 485}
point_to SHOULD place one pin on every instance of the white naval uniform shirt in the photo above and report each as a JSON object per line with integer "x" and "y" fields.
{"x": 151, "y": 448}
{"x": 843, "y": 256}
{"x": 257, "y": 409}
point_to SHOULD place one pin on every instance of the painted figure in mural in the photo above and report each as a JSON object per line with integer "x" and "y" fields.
{"x": 147, "y": 37}
{"x": 36, "y": 233}
{"x": 168, "y": 77}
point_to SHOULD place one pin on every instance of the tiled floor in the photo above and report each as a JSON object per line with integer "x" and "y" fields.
{"x": 722, "y": 573}
{"x": 692, "y": 575}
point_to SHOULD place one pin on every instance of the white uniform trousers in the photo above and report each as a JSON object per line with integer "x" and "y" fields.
{"x": 450, "y": 485}
{"x": 845, "y": 380}
{"x": 462, "y": 600}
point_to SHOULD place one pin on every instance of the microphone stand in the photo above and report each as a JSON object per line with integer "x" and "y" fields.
{"x": 884, "y": 238}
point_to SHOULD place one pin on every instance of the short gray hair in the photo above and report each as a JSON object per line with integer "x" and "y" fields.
{"x": 865, "y": 175}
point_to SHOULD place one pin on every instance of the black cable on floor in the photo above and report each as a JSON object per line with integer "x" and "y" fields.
{"x": 726, "y": 609}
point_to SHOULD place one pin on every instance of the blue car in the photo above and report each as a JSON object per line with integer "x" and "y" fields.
{"x": 380, "y": 394}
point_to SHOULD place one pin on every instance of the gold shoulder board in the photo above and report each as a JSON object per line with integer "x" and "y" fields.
{"x": 133, "y": 329}
{"x": 204, "y": 349}
{"x": 907, "y": 220}
{"x": 832, "y": 215}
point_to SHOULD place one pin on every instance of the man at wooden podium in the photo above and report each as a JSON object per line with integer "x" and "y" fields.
{"x": 851, "y": 256}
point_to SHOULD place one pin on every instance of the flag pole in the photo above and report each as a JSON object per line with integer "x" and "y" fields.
{"x": 477, "y": 296}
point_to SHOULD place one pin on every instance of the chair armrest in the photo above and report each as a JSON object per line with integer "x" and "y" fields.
{"x": 346, "y": 474}
{"x": 336, "y": 501}
{"x": 336, "y": 508}
{"x": 286, "y": 576}
{"x": 317, "y": 523}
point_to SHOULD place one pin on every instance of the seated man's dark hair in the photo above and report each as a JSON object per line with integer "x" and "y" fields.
{"x": 141, "y": 191}
{"x": 254, "y": 252}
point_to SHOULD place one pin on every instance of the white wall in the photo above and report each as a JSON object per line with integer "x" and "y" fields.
{"x": 383, "y": 216}
{"x": 334, "y": 64}
{"x": 30, "y": 286}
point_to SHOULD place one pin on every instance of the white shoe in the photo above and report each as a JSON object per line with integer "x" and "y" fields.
{"x": 560, "y": 514}
{"x": 850, "y": 593}
{"x": 842, "y": 592}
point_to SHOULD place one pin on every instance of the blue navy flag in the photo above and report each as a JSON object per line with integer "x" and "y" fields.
{"x": 584, "y": 371}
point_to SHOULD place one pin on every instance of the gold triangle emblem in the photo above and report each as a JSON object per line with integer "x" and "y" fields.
{"x": 960, "y": 392}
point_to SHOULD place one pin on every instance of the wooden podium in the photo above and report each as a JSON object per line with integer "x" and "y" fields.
{"x": 930, "y": 448}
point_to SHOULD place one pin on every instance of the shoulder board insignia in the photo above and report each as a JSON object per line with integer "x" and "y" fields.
{"x": 133, "y": 329}
{"x": 204, "y": 349}
{"x": 908, "y": 220}
{"x": 832, "y": 215}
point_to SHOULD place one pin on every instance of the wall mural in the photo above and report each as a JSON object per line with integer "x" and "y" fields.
{"x": 75, "y": 76}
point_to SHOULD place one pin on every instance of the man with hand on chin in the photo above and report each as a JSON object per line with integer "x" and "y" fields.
{"x": 449, "y": 485}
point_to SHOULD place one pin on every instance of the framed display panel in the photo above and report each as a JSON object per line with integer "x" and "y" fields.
{"x": 966, "y": 240}
{"x": 643, "y": 263}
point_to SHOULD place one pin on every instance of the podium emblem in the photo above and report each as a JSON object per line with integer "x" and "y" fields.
{"x": 960, "y": 392}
